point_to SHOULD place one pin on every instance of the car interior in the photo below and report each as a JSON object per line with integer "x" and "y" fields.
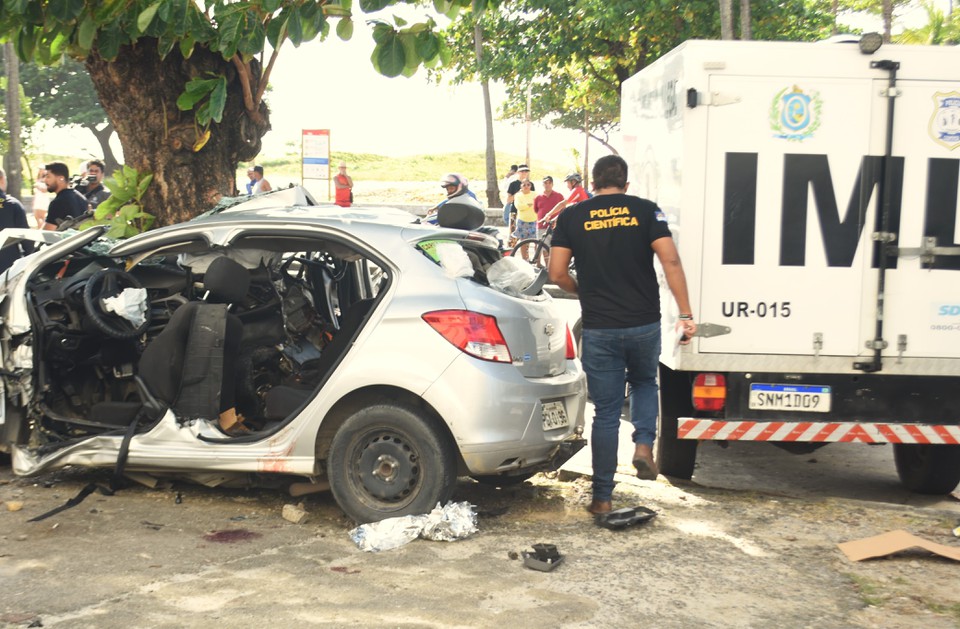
{"x": 256, "y": 327}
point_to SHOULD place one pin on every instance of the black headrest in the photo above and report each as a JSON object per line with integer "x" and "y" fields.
{"x": 226, "y": 280}
{"x": 461, "y": 213}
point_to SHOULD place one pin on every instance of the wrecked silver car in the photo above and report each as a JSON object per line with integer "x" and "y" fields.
{"x": 347, "y": 346}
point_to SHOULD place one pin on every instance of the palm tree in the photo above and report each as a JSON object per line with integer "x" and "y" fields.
{"x": 940, "y": 29}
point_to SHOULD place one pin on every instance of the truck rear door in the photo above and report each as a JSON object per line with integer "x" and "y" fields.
{"x": 922, "y": 302}
{"x": 789, "y": 207}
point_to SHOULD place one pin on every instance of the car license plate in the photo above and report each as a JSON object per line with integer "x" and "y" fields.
{"x": 554, "y": 416}
{"x": 806, "y": 398}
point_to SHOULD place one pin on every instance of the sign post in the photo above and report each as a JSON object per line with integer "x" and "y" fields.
{"x": 315, "y": 150}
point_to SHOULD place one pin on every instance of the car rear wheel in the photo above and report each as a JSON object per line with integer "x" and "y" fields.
{"x": 927, "y": 469}
{"x": 388, "y": 461}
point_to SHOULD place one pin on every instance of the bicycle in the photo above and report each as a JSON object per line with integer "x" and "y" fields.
{"x": 541, "y": 248}
{"x": 541, "y": 251}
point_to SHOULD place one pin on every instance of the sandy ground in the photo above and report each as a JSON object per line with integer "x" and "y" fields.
{"x": 713, "y": 557}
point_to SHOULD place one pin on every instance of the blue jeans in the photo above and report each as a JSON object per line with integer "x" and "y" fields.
{"x": 506, "y": 213}
{"x": 608, "y": 355}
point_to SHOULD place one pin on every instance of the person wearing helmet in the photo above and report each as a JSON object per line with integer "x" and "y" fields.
{"x": 576, "y": 195}
{"x": 456, "y": 185}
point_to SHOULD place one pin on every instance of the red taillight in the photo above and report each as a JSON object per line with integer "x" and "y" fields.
{"x": 571, "y": 347}
{"x": 709, "y": 392}
{"x": 473, "y": 333}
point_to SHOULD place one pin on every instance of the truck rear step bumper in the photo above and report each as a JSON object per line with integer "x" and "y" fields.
{"x": 827, "y": 432}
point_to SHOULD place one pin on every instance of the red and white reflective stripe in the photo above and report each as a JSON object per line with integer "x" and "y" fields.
{"x": 689, "y": 428}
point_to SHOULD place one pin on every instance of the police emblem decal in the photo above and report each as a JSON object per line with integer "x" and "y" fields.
{"x": 945, "y": 121}
{"x": 795, "y": 114}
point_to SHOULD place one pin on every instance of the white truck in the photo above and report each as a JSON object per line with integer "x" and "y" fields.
{"x": 812, "y": 190}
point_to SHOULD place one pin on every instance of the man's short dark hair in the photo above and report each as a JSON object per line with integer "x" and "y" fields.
{"x": 548, "y": 178}
{"x": 59, "y": 168}
{"x": 258, "y": 169}
{"x": 97, "y": 162}
{"x": 610, "y": 171}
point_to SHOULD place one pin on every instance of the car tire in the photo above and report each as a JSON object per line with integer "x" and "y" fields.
{"x": 927, "y": 469}
{"x": 675, "y": 457}
{"x": 388, "y": 460}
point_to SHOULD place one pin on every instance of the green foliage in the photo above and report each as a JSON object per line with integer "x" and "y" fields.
{"x": 574, "y": 56}
{"x": 123, "y": 210}
{"x": 938, "y": 30}
{"x": 46, "y": 30}
{"x": 62, "y": 92}
{"x": 28, "y": 117}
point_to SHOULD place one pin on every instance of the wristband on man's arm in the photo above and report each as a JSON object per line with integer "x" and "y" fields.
{"x": 686, "y": 317}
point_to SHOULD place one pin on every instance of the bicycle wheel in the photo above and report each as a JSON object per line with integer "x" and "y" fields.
{"x": 536, "y": 251}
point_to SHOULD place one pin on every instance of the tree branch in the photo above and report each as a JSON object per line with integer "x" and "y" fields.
{"x": 265, "y": 78}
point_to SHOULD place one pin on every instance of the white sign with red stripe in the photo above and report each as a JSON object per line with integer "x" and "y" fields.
{"x": 707, "y": 429}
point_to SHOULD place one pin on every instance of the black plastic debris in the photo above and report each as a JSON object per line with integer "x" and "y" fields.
{"x": 627, "y": 516}
{"x": 544, "y": 557}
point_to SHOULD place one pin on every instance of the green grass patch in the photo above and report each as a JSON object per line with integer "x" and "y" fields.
{"x": 870, "y": 591}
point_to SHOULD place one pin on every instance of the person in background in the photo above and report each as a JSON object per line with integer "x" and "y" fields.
{"x": 455, "y": 186}
{"x": 12, "y": 214}
{"x": 344, "y": 186}
{"x": 259, "y": 183}
{"x": 41, "y": 198}
{"x": 614, "y": 237}
{"x": 526, "y": 216}
{"x": 94, "y": 190}
{"x": 575, "y": 185}
{"x": 542, "y": 205}
{"x": 251, "y": 180}
{"x": 68, "y": 203}
{"x": 523, "y": 174}
{"x": 505, "y": 187}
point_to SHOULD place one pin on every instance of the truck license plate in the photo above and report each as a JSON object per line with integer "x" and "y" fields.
{"x": 790, "y": 397}
{"x": 554, "y": 416}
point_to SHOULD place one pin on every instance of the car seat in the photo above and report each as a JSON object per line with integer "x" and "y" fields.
{"x": 191, "y": 365}
{"x": 284, "y": 400}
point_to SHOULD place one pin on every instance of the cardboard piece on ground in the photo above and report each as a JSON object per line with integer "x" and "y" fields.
{"x": 893, "y": 542}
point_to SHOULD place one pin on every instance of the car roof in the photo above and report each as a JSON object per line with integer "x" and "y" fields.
{"x": 378, "y": 226}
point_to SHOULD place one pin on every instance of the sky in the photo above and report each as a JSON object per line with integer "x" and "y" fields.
{"x": 332, "y": 85}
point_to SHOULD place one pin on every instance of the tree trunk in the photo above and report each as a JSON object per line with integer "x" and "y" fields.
{"x": 11, "y": 161}
{"x": 887, "y": 20}
{"x": 726, "y": 19}
{"x": 834, "y": 9}
{"x": 103, "y": 137}
{"x": 493, "y": 190}
{"x": 139, "y": 92}
{"x": 586, "y": 150}
{"x": 746, "y": 27}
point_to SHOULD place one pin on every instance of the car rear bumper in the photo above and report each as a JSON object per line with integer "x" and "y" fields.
{"x": 496, "y": 415}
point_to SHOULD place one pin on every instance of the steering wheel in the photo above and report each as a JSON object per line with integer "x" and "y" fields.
{"x": 109, "y": 283}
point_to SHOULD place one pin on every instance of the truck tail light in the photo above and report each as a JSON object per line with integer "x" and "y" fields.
{"x": 571, "y": 347}
{"x": 709, "y": 392}
{"x": 472, "y": 333}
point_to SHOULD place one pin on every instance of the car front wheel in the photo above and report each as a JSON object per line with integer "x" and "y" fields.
{"x": 389, "y": 461}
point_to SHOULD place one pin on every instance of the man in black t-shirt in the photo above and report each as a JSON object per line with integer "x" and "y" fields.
{"x": 12, "y": 214}
{"x": 68, "y": 203}
{"x": 613, "y": 237}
